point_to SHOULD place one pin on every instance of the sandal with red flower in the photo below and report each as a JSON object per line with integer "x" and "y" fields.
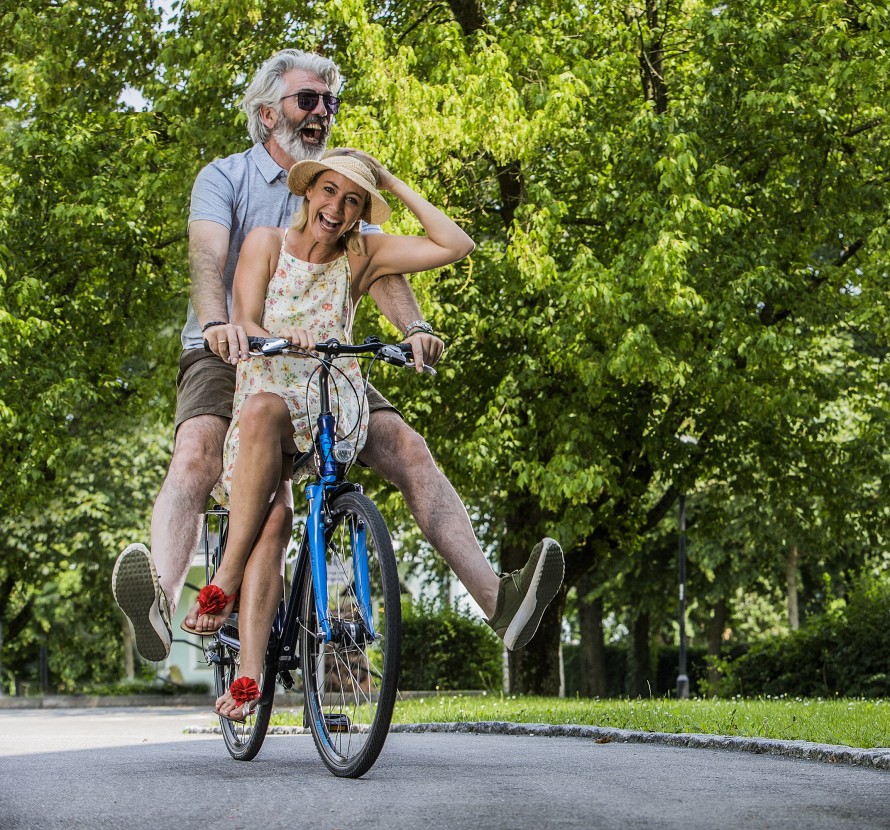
{"x": 212, "y": 600}
{"x": 246, "y": 694}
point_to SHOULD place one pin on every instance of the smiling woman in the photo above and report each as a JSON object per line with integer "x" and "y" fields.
{"x": 338, "y": 192}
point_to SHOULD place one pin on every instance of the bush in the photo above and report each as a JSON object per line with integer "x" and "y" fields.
{"x": 156, "y": 686}
{"x": 446, "y": 649}
{"x": 844, "y": 652}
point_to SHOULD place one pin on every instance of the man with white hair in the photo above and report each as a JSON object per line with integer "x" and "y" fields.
{"x": 290, "y": 106}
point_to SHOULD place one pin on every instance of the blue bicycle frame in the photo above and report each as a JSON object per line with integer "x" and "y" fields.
{"x": 329, "y": 479}
{"x": 312, "y": 548}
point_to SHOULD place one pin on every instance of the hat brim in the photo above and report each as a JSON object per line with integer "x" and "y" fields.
{"x": 301, "y": 175}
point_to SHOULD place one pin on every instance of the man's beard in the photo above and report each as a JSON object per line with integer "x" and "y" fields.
{"x": 288, "y": 134}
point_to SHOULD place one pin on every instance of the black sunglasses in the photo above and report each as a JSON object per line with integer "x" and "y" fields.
{"x": 307, "y": 99}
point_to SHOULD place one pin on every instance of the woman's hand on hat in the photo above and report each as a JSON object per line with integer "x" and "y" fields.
{"x": 385, "y": 179}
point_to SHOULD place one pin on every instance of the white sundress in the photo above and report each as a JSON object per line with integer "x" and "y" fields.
{"x": 317, "y": 297}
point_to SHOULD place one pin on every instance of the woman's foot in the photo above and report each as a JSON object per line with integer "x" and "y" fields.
{"x": 240, "y": 701}
{"x": 210, "y": 612}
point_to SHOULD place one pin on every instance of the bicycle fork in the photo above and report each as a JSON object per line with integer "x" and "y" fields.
{"x": 360, "y": 570}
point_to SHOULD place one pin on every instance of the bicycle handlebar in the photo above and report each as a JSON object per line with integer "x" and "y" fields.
{"x": 396, "y": 354}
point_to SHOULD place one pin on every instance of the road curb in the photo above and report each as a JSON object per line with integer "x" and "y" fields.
{"x": 826, "y": 753}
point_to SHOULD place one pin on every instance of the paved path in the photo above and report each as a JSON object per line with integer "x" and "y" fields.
{"x": 123, "y": 768}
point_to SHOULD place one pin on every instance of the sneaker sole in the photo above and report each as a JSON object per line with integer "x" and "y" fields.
{"x": 136, "y": 588}
{"x": 545, "y": 583}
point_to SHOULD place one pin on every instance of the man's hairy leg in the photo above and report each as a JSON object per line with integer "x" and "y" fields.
{"x": 179, "y": 508}
{"x": 401, "y": 456}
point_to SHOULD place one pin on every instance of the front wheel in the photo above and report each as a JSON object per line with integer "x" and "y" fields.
{"x": 350, "y": 682}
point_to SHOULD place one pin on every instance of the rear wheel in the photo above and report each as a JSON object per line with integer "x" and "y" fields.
{"x": 243, "y": 740}
{"x": 350, "y": 683}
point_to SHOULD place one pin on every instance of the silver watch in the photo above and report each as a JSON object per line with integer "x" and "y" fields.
{"x": 419, "y": 325}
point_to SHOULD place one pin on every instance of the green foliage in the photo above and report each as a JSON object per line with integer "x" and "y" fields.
{"x": 57, "y": 554}
{"x": 148, "y": 686}
{"x": 843, "y": 652}
{"x": 443, "y": 648}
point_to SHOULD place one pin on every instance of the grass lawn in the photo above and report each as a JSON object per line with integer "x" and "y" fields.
{"x": 856, "y": 723}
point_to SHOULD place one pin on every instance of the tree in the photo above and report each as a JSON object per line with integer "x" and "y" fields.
{"x": 677, "y": 228}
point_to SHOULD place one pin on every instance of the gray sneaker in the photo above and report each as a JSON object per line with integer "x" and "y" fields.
{"x": 140, "y": 596}
{"x": 523, "y": 595}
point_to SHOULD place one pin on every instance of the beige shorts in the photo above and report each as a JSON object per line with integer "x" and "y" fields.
{"x": 205, "y": 385}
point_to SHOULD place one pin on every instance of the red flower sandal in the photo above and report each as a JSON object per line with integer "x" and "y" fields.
{"x": 246, "y": 693}
{"x": 211, "y": 600}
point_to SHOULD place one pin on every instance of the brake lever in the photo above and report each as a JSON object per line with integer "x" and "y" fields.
{"x": 275, "y": 346}
{"x": 401, "y": 355}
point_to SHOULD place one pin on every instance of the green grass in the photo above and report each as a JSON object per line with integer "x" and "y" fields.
{"x": 855, "y": 723}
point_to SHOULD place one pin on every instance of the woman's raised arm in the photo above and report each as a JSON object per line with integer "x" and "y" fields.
{"x": 445, "y": 241}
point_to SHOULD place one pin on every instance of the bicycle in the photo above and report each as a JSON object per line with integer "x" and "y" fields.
{"x": 340, "y": 622}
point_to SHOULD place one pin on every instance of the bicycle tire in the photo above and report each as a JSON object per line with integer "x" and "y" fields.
{"x": 350, "y": 683}
{"x": 243, "y": 740}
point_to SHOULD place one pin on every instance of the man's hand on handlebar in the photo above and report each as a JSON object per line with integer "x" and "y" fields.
{"x": 228, "y": 341}
{"x": 428, "y": 346}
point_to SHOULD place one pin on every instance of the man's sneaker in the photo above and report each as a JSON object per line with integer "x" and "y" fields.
{"x": 523, "y": 595}
{"x": 139, "y": 595}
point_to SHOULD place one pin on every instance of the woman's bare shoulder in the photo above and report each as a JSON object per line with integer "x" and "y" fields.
{"x": 264, "y": 236}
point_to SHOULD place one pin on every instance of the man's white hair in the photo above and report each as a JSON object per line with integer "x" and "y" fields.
{"x": 267, "y": 87}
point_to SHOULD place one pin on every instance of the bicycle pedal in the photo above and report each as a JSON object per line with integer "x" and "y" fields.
{"x": 286, "y": 679}
{"x": 336, "y": 722}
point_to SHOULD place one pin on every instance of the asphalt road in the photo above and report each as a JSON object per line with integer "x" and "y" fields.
{"x": 135, "y": 768}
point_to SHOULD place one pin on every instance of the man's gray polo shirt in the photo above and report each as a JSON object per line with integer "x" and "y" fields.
{"x": 241, "y": 192}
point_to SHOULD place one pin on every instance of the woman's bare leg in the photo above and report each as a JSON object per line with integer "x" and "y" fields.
{"x": 261, "y": 588}
{"x": 266, "y": 438}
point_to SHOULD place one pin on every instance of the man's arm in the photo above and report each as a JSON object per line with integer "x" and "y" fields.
{"x": 208, "y": 251}
{"x": 396, "y": 300}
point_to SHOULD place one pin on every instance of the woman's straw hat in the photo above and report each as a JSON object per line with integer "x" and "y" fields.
{"x": 301, "y": 175}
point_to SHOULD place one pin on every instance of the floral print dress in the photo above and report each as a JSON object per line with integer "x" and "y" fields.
{"x": 317, "y": 297}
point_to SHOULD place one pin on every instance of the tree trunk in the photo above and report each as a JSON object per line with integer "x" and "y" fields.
{"x": 640, "y": 680}
{"x": 715, "y": 640}
{"x": 535, "y": 669}
{"x": 651, "y": 54}
{"x": 791, "y": 563}
{"x": 469, "y": 14}
{"x": 592, "y": 652}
